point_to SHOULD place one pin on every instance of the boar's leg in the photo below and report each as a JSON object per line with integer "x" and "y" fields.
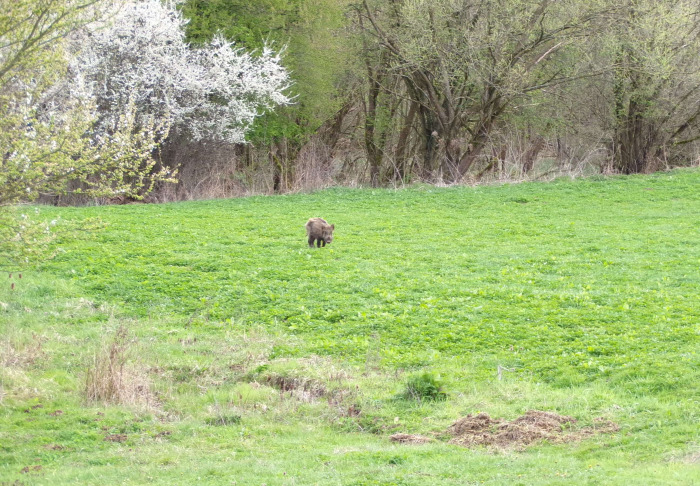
{"x": 311, "y": 242}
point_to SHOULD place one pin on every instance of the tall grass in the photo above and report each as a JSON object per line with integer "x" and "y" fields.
{"x": 113, "y": 378}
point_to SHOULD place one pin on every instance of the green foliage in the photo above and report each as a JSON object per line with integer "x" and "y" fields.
{"x": 424, "y": 386}
{"x": 249, "y": 24}
{"x": 486, "y": 270}
{"x": 24, "y": 237}
{"x": 59, "y": 158}
{"x": 223, "y": 420}
{"x": 651, "y": 47}
{"x": 278, "y": 125}
{"x": 32, "y": 31}
{"x": 27, "y": 237}
{"x": 52, "y": 151}
{"x": 316, "y": 52}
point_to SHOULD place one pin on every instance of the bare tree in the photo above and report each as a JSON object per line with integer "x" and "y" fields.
{"x": 655, "y": 83}
{"x": 465, "y": 63}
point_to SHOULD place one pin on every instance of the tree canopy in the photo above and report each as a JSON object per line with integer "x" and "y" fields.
{"x": 106, "y": 96}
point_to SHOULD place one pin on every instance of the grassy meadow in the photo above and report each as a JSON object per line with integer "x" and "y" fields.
{"x": 204, "y": 342}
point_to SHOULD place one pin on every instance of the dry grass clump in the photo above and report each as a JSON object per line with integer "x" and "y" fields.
{"x": 692, "y": 458}
{"x": 410, "y": 439}
{"x": 14, "y": 355}
{"x": 111, "y": 378}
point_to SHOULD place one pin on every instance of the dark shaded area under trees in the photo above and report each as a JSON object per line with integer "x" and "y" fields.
{"x": 390, "y": 92}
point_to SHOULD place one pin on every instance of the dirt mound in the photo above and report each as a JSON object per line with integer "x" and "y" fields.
{"x": 535, "y": 425}
{"x": 410, "y": 439}
{"x": 476, "y": 423}
{"x": 543, "y": 420}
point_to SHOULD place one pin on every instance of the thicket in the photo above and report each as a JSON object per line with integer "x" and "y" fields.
{"x": 281, "y": 95}
{"x": 394, "y": 91}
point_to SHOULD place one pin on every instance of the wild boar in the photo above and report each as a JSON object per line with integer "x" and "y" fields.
{"x": 320, "y": 231}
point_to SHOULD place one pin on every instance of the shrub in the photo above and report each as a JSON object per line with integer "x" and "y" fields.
{"x": 424, "y": 386}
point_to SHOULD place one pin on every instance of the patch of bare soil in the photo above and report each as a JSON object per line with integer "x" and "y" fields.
{"x": 410, "y": 439}
{"x": 115, "y": 437}
{"x": 692, "y": 458}
{"x": 535, "y": 425}
{"x": 304, "y": 389}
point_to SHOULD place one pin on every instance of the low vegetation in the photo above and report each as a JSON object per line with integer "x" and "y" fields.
{"x": 424, "y": 386}
{"x": 518, "y": 334}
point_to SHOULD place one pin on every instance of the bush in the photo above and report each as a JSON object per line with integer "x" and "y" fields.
{"x": 424, "y": 386}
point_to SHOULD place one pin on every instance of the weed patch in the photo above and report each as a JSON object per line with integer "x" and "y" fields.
{"x": 424, "y": 386}
{"x": 223, "y": 420}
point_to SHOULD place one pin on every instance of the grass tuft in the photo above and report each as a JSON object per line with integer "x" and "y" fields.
{"x": 424, "y": 387}
{"x": 111, "y": 378}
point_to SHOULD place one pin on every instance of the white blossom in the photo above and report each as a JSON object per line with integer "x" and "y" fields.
{"x": 139, "y": 55}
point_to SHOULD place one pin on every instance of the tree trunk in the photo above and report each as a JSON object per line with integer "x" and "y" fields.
{"x": 374, "y": 154}
{"x": 530, "y": 155}
{"x": 492, "y": 106}
{"x": 331, "y": 131}
{"x": 635, "y": 140}
{"x": 401, "y": 171}
{"x": 276, "y": 169}
{"x": 430, "y": 146}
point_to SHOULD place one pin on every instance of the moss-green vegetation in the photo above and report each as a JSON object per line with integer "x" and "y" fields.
{"x": 250, "y": 358}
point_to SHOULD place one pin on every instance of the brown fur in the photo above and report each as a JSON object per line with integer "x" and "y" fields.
{"x": 320, "y": 231}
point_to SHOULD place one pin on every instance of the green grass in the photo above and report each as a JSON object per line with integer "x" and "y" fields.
{"x": 272, "y": 363}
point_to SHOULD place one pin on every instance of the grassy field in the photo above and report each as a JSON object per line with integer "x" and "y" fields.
{"x": 241, "y": 356}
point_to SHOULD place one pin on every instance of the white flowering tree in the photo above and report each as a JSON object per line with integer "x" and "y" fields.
{"x": 49, "y": 133}
{"x": 139, "y": 56}
{"x": 90, "y": 88}
{"x": 236, "y": 88}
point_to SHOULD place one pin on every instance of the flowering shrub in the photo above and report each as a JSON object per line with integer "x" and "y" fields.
{"x": 139, "y": 55}
{"x": 89, "y": 89}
